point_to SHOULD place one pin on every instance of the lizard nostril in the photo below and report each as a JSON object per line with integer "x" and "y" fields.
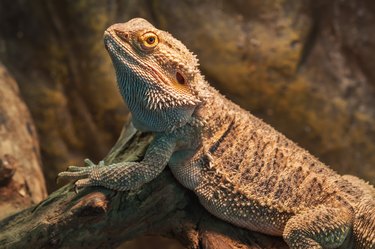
{"x": 180, "y": 79}
{"x": 122, "y": 35}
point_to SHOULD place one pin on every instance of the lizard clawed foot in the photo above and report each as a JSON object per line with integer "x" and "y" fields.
{"x": 79, "y": 184}
{"x": 81, "y": 175}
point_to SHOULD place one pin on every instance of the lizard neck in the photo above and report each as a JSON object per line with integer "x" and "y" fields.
{"x": 215, "y": 111}
{"x": 149, "y": 104}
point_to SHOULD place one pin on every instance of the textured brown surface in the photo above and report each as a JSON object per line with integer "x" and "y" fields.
{"x": 21, "y": 178}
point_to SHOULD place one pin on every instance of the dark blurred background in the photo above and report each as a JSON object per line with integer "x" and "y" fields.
{"x": 307, "y": 67}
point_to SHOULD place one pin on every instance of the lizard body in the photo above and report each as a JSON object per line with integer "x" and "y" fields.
{"x": 242, "y": 170}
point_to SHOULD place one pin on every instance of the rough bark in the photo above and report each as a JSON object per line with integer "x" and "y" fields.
{"x": 99, "y": 218}
{"x": 21, "y": 178}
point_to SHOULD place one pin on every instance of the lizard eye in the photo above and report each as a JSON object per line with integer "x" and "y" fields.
{"x": 149, "y": 40}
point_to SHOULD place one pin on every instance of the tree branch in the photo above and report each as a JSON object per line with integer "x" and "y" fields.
{"x": 100, "y": 218}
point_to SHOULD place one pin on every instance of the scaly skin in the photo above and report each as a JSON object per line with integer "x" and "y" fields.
{"x": 242, "y": 170}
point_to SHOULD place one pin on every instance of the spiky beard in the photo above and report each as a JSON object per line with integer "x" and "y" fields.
{"x": 158, "y": 99}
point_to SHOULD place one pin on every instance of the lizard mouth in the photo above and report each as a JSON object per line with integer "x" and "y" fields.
{"x": 113, "y": 44}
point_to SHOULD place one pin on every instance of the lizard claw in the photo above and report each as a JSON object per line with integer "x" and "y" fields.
{"x": 57, "y": 179}
{"x": 80, "y": 184}
{"x": 81, "y": 175}
{"x": 75, "y": 188}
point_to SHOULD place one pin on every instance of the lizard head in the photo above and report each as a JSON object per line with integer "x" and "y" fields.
{"x": 155, "y": 73}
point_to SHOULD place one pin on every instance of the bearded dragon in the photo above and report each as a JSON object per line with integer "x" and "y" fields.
{"x": 242, "y": 170}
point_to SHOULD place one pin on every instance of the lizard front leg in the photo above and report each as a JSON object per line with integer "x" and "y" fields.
{"x": 186, "y": 166}
{"x": 125, "y": 175}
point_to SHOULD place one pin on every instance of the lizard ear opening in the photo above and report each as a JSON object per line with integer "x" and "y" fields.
{"x": 180, "y": 79}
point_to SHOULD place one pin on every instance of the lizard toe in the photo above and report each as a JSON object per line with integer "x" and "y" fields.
{"x": 82, "y": 183}
{"x": 89, "y": 163}
{"x": 76, "y": 169}
{"x": 73, "y": 175}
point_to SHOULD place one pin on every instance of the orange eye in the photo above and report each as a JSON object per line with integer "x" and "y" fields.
{"x": 149, "y": 40}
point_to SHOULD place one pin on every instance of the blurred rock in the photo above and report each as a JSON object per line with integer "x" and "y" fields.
{"x": 21, "y": 178}
{"x": 56, "y": 53}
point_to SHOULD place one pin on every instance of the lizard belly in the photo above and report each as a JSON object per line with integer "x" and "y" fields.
{"x": 242, "y": 211}
{"x": 190, "y": 169}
